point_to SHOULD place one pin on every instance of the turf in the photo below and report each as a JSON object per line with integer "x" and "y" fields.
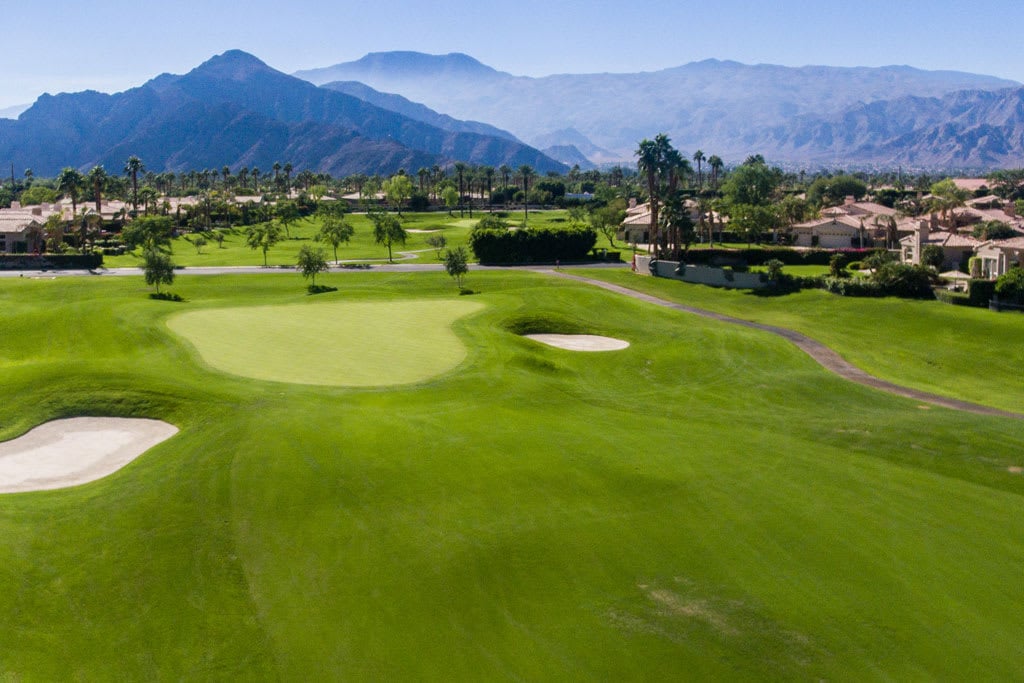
{"x": 707, "y": 504}
{"x": 352, "y": 344}
{"x": 965, "y": 353}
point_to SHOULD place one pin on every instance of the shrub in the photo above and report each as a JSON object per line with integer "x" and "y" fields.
{"x": 531, "y": 245}
{"x": 892, "y": 279}
{"x": 954, "y": 298}
{"x": 981, "y": 292}
{"x": 1010, "y": 286}
{"x": 933, "y": 255}
{"x": 760, "y": 256}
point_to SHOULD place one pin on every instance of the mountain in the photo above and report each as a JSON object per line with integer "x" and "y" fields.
{"x": 235, "y": 110}
{"x": 570, "y": 156}
{"x": 968, "y": 129}
{"x": 721, "y": 107}
{"x": 13, "y": 112}
{"x": 414, "y": 110}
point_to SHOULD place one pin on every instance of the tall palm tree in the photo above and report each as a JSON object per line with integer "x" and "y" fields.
{"x": 526, "y": 173}
{"x": 423, "y": 174}
{"x": 650, "y": 164}
{"x": 97, "y": 178}
{"x": 699, "y": 157}
{"x": 69, "y": 183}
{"x": 132, "y": 168}
{"x": 716, "y": 164}
{"x": 460, "y": 170}
{"x": 488, "y": 173}
{"x": 505, "y": 172}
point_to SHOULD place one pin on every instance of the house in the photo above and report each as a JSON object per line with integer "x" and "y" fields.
{"x": 21, "y": 229}
{"x": 835, "y": 231}
{"x": 995, "y": 257}
{"x": 955, "y": 247}
{"x": 636, "y": 227}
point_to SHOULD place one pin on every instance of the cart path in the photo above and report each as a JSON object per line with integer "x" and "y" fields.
{"x": 825, "y": 356}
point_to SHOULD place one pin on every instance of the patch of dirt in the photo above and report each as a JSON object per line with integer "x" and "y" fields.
{"x": 676, "y": 605}
{"x": 1015, "y": 469}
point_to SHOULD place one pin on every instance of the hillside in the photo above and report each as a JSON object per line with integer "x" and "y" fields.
{"x": 235, "y": 110}
{"x": 724, "y": 107}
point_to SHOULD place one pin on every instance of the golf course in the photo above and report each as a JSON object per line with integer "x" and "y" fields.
{"x": 391, "y": 481}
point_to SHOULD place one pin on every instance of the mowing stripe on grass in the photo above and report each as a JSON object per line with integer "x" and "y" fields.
{"x": 358, "y": 344}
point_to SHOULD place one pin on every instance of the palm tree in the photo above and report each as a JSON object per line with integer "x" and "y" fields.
{"x": 488, "y": 172}
{"x": 716, "y": 164}
{"x": 699, "y": 157}
{"x": 97, "y": 178}
{"x": 69, "y": 183}
{"x": 505, "y": 172}
{"x": 526, "y": 173}
{"x": 649, "y": 163}
{"x": 132, "y": 168}
{"x": 423, "y": 174}
{"x": 460, "y": 169}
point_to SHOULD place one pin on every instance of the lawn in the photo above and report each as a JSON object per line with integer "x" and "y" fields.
{"x": 706, "y": 504}
{"x": 965, "y": 353}
{"x": 420, "y": 226}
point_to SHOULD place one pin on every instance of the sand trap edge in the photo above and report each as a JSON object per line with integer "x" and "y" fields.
{"x": 580, "y": 342}
{"x": 68, "y": 452}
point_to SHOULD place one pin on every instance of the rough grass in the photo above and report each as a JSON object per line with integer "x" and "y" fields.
{"x": 706, "y": 504}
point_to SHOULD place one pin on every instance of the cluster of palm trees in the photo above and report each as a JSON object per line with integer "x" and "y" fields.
{"x": 666, "y": 172}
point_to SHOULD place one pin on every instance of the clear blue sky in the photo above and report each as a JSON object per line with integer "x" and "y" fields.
{"x": 111, "y": 45}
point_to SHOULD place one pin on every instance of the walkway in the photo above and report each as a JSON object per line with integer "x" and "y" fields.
{"x": 825, "y": 356}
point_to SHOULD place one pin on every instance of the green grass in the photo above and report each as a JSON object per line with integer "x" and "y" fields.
{"x": 707, "y": 504}
{"x": 234, "y": 252}
{"x": 352, "y": 344}
{"x": 956, "y": 351}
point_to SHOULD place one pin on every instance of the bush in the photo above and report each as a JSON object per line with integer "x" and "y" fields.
{"x": 981, "y": 292}
{"x": 529, "y": 245}
{"x": 760, "y": 256}
{"x": 892, "y": 279}
{"x": 1010, "y": 286}
{"x": 50, "y": 261}
{"x": 954, "y": 298}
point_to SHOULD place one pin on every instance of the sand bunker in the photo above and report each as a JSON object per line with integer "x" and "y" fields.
{"x": 75, "y": 451}
{"x": 580, "y": 342}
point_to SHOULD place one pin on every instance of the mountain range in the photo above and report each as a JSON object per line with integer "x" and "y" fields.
{"x": 409, "y": 110}
{"x": 234, "y": 110}
{"x": 796, "y": 115}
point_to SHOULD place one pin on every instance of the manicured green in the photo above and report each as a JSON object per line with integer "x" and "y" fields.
{"x": 340, "y": 344}
{"x": 966, "y": 353}
{"x": 708, "y": 504}
{"x": 234, "y": 251}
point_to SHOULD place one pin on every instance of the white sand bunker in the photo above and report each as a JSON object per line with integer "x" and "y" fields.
{"x": 580, "y": 342}
{"x": 75, "y": 451}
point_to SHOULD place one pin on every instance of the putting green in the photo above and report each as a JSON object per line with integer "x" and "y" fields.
{"x": 339, "y": 344}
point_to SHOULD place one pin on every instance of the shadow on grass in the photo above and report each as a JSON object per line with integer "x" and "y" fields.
{"x": 165, "y": 296}
{"x": 320, "y": 289}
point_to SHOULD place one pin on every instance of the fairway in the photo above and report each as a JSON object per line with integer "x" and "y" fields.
{"x": 336, "y": 344}
{"x": 707, "y": 504}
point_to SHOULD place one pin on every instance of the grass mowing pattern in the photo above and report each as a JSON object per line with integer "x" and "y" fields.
{"x": 708, "y": 504}
{"x": 342, "y": 344}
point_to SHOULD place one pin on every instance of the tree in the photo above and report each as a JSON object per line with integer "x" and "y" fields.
{"x": 526, "y": 173}
{"x": 752, "y": 183}
{"x": 437, "y": 243}
{"x": 149, "y": 232}
{"x": 97, "y": 179}
{"x": 398, "y": 189}
{"x": 460, "y": 172}
{"x": 994, "y": 230}
{"x": 946, "y": 196}
{"x": 311, "y": 262}
{"x": 832, "y": 191}
{"x": 53, "y": 230}
{"x": 199, "y": 242}
{"x": 456, "y": 264}
{"x": 676, "y": 222}
{"x": 1010, "y": 286}
{"x": 388, "y": 230}
{"x": 157, "y": 268}
{"x": 69, "y": 183}
{"x": 335, "y": 231}
{"x": 450, "y": 197}
{"x": 263, "y": 236}
{"x": 287, "y": 212}
{"x": 716, "y": 165}
{"x": 699, "y": 158}
{"x": 933, "y": 256}
{"x": 133, "y": 167}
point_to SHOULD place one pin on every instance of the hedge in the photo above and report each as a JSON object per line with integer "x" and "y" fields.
{"x": 981, "y": 292}
{"x": 760, "y": 256}
{"x": 543, "y": 245}
{"x": 50, "y": 261}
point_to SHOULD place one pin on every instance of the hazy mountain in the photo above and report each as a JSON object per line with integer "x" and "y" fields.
{"x": 570, "y": 156}
{"x": 414, "y": 110}
{"x": 13, "y": 112}
{"x": 721, "y": 107}
{"x": 970, "y": 129}
{"x": 235, "y": 110}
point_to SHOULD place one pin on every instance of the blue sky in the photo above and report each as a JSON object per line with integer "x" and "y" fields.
{"x": 111, "y": 45}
